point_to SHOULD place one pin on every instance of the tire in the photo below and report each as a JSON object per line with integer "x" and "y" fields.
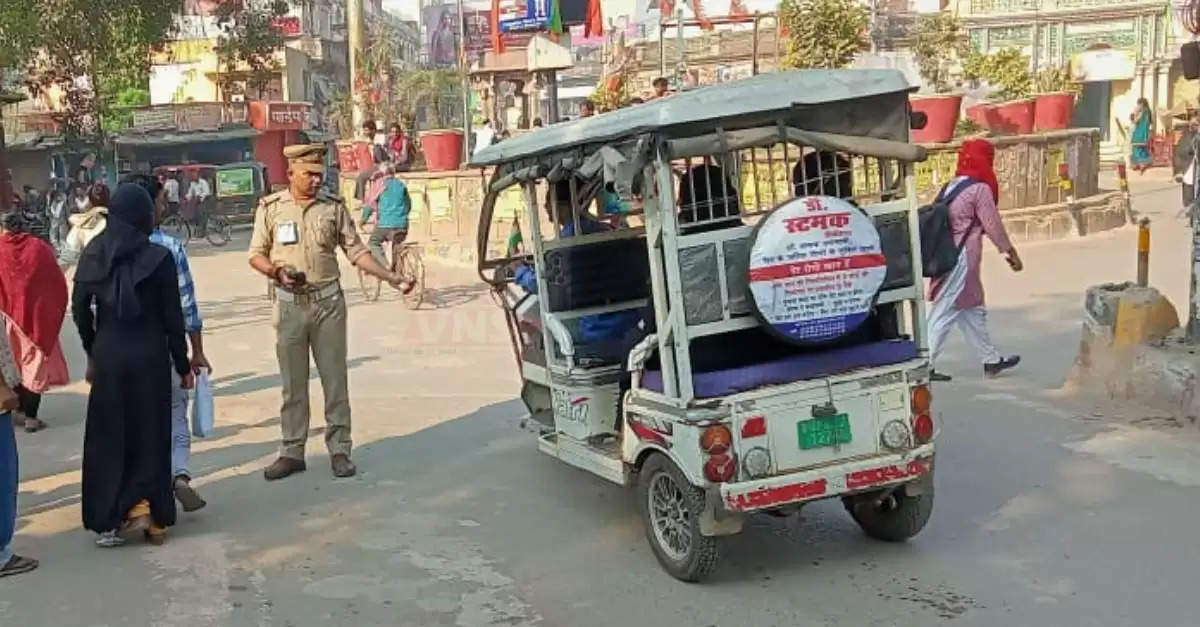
{"x": 369, "y": 285}
{"x": 897, "y": 519}
{"x": 219, "y": 231}
{"x": 683, "y": 552}
{"x": 413, "y": 269}
{"x": 178, "y": 228}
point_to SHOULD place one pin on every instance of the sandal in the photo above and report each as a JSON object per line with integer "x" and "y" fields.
{"x": 156, "y": 535}
{"x": 18, "y": 565}
{"x": 33, "y": 425}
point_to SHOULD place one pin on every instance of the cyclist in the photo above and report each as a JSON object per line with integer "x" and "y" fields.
{"x": 392, "y": 223}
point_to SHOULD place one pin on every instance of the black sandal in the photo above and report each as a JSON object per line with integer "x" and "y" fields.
{"x": 33, "y": 425}
{"x": 18, "y": 565}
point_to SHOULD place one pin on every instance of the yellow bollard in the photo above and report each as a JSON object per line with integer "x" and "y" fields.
{"x": 1143, "y": 253}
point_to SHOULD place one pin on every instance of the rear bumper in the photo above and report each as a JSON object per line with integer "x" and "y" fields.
{"x": 829, "y": 481}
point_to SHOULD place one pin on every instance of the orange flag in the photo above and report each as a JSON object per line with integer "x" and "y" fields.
{"x": 595, "y": 20}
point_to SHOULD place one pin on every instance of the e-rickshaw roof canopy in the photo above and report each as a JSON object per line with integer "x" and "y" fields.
{"x": 869, "y": 104}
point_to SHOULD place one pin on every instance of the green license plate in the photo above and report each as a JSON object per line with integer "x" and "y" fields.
{"x": 825, "y": 431}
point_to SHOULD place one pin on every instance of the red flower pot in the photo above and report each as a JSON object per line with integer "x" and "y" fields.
{"x": 942, "y": 113}
{"x": 1052, "y": 112}
{"x": 443, "y": 149}
{"x": 1012, "y": 118}
{"x": 980, "y": 114}
{"x": 347, "y": 157}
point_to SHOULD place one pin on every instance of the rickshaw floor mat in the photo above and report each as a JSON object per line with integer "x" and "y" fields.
{"x": 789, "y": 369}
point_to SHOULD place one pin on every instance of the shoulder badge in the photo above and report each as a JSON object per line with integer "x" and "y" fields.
{"x": 271, "y": 199}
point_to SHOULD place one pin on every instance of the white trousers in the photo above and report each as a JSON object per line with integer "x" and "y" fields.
{"x": 944, "y": 316}
{"x": 181, "y": 431}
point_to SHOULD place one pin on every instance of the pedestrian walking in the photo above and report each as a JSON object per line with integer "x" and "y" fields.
{"x": 132, "y": 341}
{"x": 33, "y": 303}
{"x": 1142, "y": 119}
{"x": 85, "y": 225}
{"x": 296, "y": 234}
{"x": 957, "y": 298}
{"x": 59, "y": 212}
{"x": 199, "y": 195}
{"x": 10, "y": 378}
{"x": 193, "y": 324}
{"x": 171, "y": 193}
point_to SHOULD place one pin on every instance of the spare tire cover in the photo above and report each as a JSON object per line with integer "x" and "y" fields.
{"x": 816, "y": 268}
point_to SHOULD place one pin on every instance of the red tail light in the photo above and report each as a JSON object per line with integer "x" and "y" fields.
{"x": 720, "y": 468}
{"x": 716, "y": 440}
{"x": 923, "y": 428}
{"x": 754, "y": 427}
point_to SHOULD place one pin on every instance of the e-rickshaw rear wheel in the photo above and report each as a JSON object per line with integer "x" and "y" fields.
{"x": 892, "y": 516}
{"x": 671, "y": 507}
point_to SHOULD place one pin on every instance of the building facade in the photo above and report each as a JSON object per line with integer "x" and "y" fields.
{"x": 1121, "y": 50}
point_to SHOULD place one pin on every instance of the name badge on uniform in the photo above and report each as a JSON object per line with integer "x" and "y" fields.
{"x": 287, "y": 233}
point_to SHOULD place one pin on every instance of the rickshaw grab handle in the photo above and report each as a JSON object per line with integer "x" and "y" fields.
{"x": 761, "y": 137}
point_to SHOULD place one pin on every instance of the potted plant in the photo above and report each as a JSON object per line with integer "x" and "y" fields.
{"x": 937, "y": 36}
{"x": 427, "y": 91}
{"x": 1008, "y": 72}
{"x": 1054, "y": 100}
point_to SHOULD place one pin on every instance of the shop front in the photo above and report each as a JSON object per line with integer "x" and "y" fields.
{"x": 280, "y": 124}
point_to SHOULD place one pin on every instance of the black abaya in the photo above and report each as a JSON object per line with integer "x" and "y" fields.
{"x": 127, "y": 444}
{"x": 133, "y": 339}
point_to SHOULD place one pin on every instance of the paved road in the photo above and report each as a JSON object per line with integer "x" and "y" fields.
{"x": 1045, "y": 515}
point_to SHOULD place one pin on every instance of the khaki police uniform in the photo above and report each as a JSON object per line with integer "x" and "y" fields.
{"x": 311, "y": 317}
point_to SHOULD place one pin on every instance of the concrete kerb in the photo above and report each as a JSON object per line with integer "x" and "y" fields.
{"x": 1132, "y": 353}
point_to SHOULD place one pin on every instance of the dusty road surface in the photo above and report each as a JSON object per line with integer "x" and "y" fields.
{"x": 1046, "y": 514}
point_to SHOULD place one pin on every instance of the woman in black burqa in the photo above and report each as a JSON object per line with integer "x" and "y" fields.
{"x": 133, "y": 339}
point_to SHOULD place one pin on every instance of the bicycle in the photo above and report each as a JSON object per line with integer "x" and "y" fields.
{"x": 218, "y": 230}
{"x": 405, "y": 259}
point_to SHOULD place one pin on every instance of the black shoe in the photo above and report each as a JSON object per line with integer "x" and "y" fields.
{"x": 342, "y": 466}
{"x": 284, "y": 467}
{"x": 939, "y": 377}
{"x": 991, "y": 370}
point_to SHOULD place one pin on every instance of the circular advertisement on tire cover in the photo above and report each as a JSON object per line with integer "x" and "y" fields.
{"x": 816, "y": 267}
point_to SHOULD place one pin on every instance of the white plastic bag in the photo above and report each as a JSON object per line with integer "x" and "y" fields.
{"x": 202, "y": 406}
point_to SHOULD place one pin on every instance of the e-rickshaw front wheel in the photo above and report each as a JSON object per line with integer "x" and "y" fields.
{"x": 671, "y": 507}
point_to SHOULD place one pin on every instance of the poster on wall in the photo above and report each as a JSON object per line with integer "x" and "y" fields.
{"x": 441, "y": 28}
{"x": 816, "y": 267}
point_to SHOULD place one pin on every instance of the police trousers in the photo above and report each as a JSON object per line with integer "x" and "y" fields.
{"x": 320, "y": 328}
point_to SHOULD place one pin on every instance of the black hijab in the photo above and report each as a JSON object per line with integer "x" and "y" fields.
{"x": 122, "y": 256}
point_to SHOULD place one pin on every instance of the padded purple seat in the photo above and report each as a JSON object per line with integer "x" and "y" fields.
{"x": 789, "y": 369}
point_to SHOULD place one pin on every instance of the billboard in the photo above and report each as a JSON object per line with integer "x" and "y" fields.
{"x": 524, "y": 15}
{"x": 441, "y": 34}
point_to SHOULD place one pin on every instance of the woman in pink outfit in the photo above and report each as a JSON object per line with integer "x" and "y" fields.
{"x": 956, "y": 299}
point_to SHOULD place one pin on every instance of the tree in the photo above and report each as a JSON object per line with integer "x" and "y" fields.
{"x": 429, "y": 91}
{"x": 379, "y": 73}
{"x": 823, "y": 33}
{"x": 1007, "y": 70}
{"x": 94, "y": 49}
{"x": 940, "y": 41}
{"x": 249, "y": 39}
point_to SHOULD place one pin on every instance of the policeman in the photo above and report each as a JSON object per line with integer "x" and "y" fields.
{"x": 296, "y": 232}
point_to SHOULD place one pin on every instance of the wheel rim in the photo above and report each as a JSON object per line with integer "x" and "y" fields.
{"x": 415, "y": 272}
{"x": 670, "y": 517}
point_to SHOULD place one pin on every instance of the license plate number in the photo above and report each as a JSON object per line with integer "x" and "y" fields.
{"x": 824, "y": 431}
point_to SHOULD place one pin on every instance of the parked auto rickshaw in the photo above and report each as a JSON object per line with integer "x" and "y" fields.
{"x": 239, "y": 188}
{"x": 746, "y": 333}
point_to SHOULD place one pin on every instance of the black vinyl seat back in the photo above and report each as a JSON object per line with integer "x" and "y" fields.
{"x": 597, "y": 274}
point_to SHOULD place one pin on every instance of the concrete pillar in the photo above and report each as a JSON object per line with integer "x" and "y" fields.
{"x": 1164, "y": 85}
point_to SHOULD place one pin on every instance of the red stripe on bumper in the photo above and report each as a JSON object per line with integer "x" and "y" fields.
{"x": 887, "y": 474}
{"x": 776, "y": 496}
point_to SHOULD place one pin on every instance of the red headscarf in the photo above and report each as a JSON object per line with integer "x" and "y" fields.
{"x": 975, "y": 159}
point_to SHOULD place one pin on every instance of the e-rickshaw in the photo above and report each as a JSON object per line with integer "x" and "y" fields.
{"x": 770, "y": 252}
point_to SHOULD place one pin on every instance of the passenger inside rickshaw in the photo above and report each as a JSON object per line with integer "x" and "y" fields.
{"x": 591, "y": 275}
{"x": 708, "y": 196}
{"x": 824, "y": 173}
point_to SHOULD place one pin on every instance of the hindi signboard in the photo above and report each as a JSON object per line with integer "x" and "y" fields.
{"x": 816, "y": 267}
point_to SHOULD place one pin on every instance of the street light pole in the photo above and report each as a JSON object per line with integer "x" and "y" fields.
{"x": 354, "y": 39}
